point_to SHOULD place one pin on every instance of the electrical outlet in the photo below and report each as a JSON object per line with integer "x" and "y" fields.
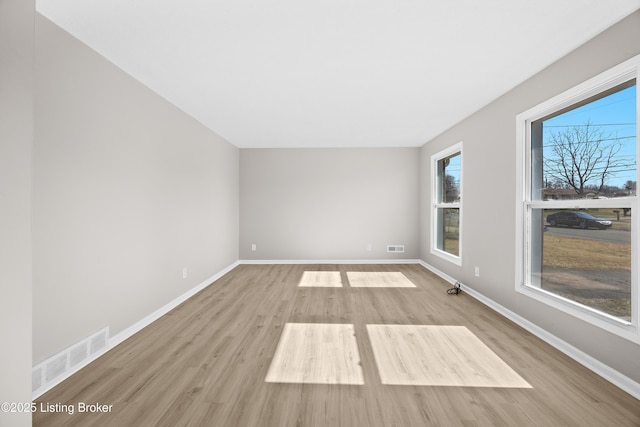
{"x": 369, "y": 247}
{"x": 477, "y": 271}
{"x": 184, "y": 273}
{"x": 254, "y": 247}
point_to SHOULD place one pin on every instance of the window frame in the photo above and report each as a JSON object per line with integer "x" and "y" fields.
{"x": 437, "y": 204}
{"x": 525, "y": 203}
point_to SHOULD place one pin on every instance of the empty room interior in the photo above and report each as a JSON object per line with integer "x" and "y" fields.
{"x": 320, "y": 213}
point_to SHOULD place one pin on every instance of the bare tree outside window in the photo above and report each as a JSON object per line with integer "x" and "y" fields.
{"x": 582, "y": 157}
{"x": 630, "y": 186}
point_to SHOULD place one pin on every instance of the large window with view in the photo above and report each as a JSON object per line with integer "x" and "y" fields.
{"x": 578, "y": 217}
{"x": 447, "y": 203}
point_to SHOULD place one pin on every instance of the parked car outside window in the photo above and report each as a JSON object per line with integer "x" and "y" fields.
{"x": 577, "y": 219}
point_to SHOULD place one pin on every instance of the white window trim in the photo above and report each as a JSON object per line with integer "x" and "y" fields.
{"x": 435, "y": 204}
{"x": 629, "y": 330}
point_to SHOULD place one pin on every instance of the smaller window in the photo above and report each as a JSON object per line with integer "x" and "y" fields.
{"x": 447, "y": 204}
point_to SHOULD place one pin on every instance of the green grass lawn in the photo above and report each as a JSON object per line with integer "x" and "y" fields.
{"x": 584, "y": 254}
{"x": 593, "y": 273}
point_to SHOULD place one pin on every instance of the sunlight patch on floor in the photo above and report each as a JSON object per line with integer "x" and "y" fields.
{"x": 316, "y": 353}
{"x": 368, "y": 279}
{"x": 321, "y": 279}
{"x": 438, "y": 356}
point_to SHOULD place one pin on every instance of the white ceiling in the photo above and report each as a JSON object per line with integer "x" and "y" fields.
{"x": 333, "y": 73}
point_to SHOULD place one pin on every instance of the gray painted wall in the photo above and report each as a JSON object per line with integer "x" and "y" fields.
{"x": 489, "y": 201}
{"x": 127, "y": 191}
{"x": 16, "y": 137}
{"x": 320, "y": 204}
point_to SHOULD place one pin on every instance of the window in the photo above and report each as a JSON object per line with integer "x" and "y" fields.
{"x": 577, "y": 219}
{"x": 447, "y": 204}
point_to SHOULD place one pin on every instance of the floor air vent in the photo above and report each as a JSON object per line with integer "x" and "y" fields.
{"x": 52, "y": 371}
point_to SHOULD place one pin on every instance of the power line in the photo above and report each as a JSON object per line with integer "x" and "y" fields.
{"x": 590, "y": 124}
{"x": 591, "y": 140}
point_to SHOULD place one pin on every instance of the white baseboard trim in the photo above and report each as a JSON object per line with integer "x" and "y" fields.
{"x": 329, "y": 261}
{"x": 142, "y": 323}
{"x": 62, "y": 359}
{"x": 605, "y": 371}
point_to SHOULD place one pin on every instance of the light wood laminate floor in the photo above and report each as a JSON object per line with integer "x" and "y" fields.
{"x": 205, "y": 363}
